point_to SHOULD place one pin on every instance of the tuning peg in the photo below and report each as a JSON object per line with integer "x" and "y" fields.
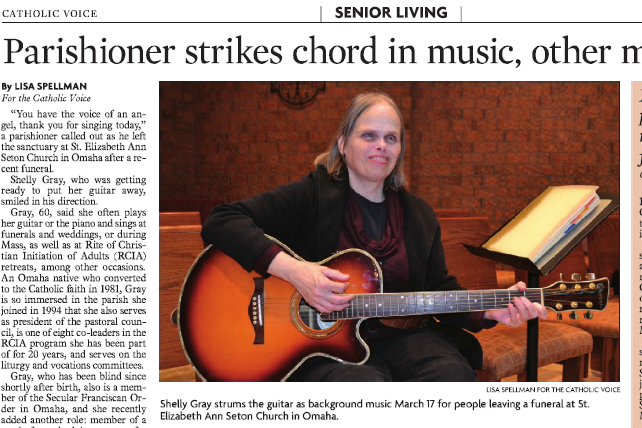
{"x": 573, "y": 315}
{"x": 576, "y": 277}
{"x": 588, "y": 315}
{"x": 561, "y": 276}
{"x": 559, "y": 316}
{"x": 590, "y": 276}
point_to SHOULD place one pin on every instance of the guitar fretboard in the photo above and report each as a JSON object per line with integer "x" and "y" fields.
{"x": 431, "y": 302}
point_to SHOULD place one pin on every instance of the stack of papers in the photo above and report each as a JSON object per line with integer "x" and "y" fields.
{"x": 545, "y": 221}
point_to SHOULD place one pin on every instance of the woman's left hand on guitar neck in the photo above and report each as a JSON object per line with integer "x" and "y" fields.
{"x": 518, "y": 312}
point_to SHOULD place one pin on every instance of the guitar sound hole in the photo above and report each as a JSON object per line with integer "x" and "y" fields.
{"x": 311, "y": 317}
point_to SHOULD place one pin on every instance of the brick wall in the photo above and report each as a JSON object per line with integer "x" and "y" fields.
{"x": 487, "y": 146}
{"x": 493, "y": 147}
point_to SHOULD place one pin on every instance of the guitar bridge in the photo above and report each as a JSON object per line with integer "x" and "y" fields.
{"x": 256, "y": 310}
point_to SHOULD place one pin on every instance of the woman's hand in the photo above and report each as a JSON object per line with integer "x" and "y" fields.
{"x": 520, "y": 311}
{"x": 320, "y": 286}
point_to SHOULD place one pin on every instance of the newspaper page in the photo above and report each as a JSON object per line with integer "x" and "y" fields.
{"x": 123, "y": 124}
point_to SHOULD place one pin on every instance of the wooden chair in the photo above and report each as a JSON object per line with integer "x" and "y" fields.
{"x": 505, "y": 348}
{"x": 505, "y": 351}
{"x": 603, "y": 260}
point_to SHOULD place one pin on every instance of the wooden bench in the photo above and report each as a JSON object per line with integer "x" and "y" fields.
{"x": 201, "y": 205}
{"x": 179, "y": 247}
{"x": 453, "y": 212}
{"x": 604, "y": 247}
{"x": 187, "y": 218}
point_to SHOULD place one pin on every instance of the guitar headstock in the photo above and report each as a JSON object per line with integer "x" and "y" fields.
{"x": 577, "y": 295}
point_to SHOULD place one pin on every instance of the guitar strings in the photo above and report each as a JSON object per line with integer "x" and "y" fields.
{"x": 306, "y": 310}
{"x": 395, "y": 300}
{"x": 392, "y": 299}
{"x": 484, "y": 297}
{"x": 462, "y": 307}
{"x": 395, "y": 297}
{"x": 482, "y": 293}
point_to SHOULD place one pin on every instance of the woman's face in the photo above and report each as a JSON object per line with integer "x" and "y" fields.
{"x": 372, "y": 149}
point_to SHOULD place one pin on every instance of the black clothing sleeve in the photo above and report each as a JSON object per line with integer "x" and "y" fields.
{"x": 238, "y": 229}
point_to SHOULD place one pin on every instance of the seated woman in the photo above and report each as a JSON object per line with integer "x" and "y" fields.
{"x": 356, "y": 199}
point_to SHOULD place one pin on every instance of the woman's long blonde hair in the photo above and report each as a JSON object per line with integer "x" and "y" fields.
{"x": 332, "y": 158}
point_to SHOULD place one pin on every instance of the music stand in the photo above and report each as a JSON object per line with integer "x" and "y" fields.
{"x": 608, "y": 203}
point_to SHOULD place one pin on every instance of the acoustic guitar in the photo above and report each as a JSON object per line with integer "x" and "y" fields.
{"x": 238, "y": 326}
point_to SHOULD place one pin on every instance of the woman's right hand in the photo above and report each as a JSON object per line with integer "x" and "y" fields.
{"x": 320, "y": 286}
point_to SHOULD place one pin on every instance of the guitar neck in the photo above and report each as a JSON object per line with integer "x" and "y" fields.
{"x": 430, "y": 302}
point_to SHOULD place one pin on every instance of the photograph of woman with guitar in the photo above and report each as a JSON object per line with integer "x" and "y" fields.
{"x": 327, "y": 330}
